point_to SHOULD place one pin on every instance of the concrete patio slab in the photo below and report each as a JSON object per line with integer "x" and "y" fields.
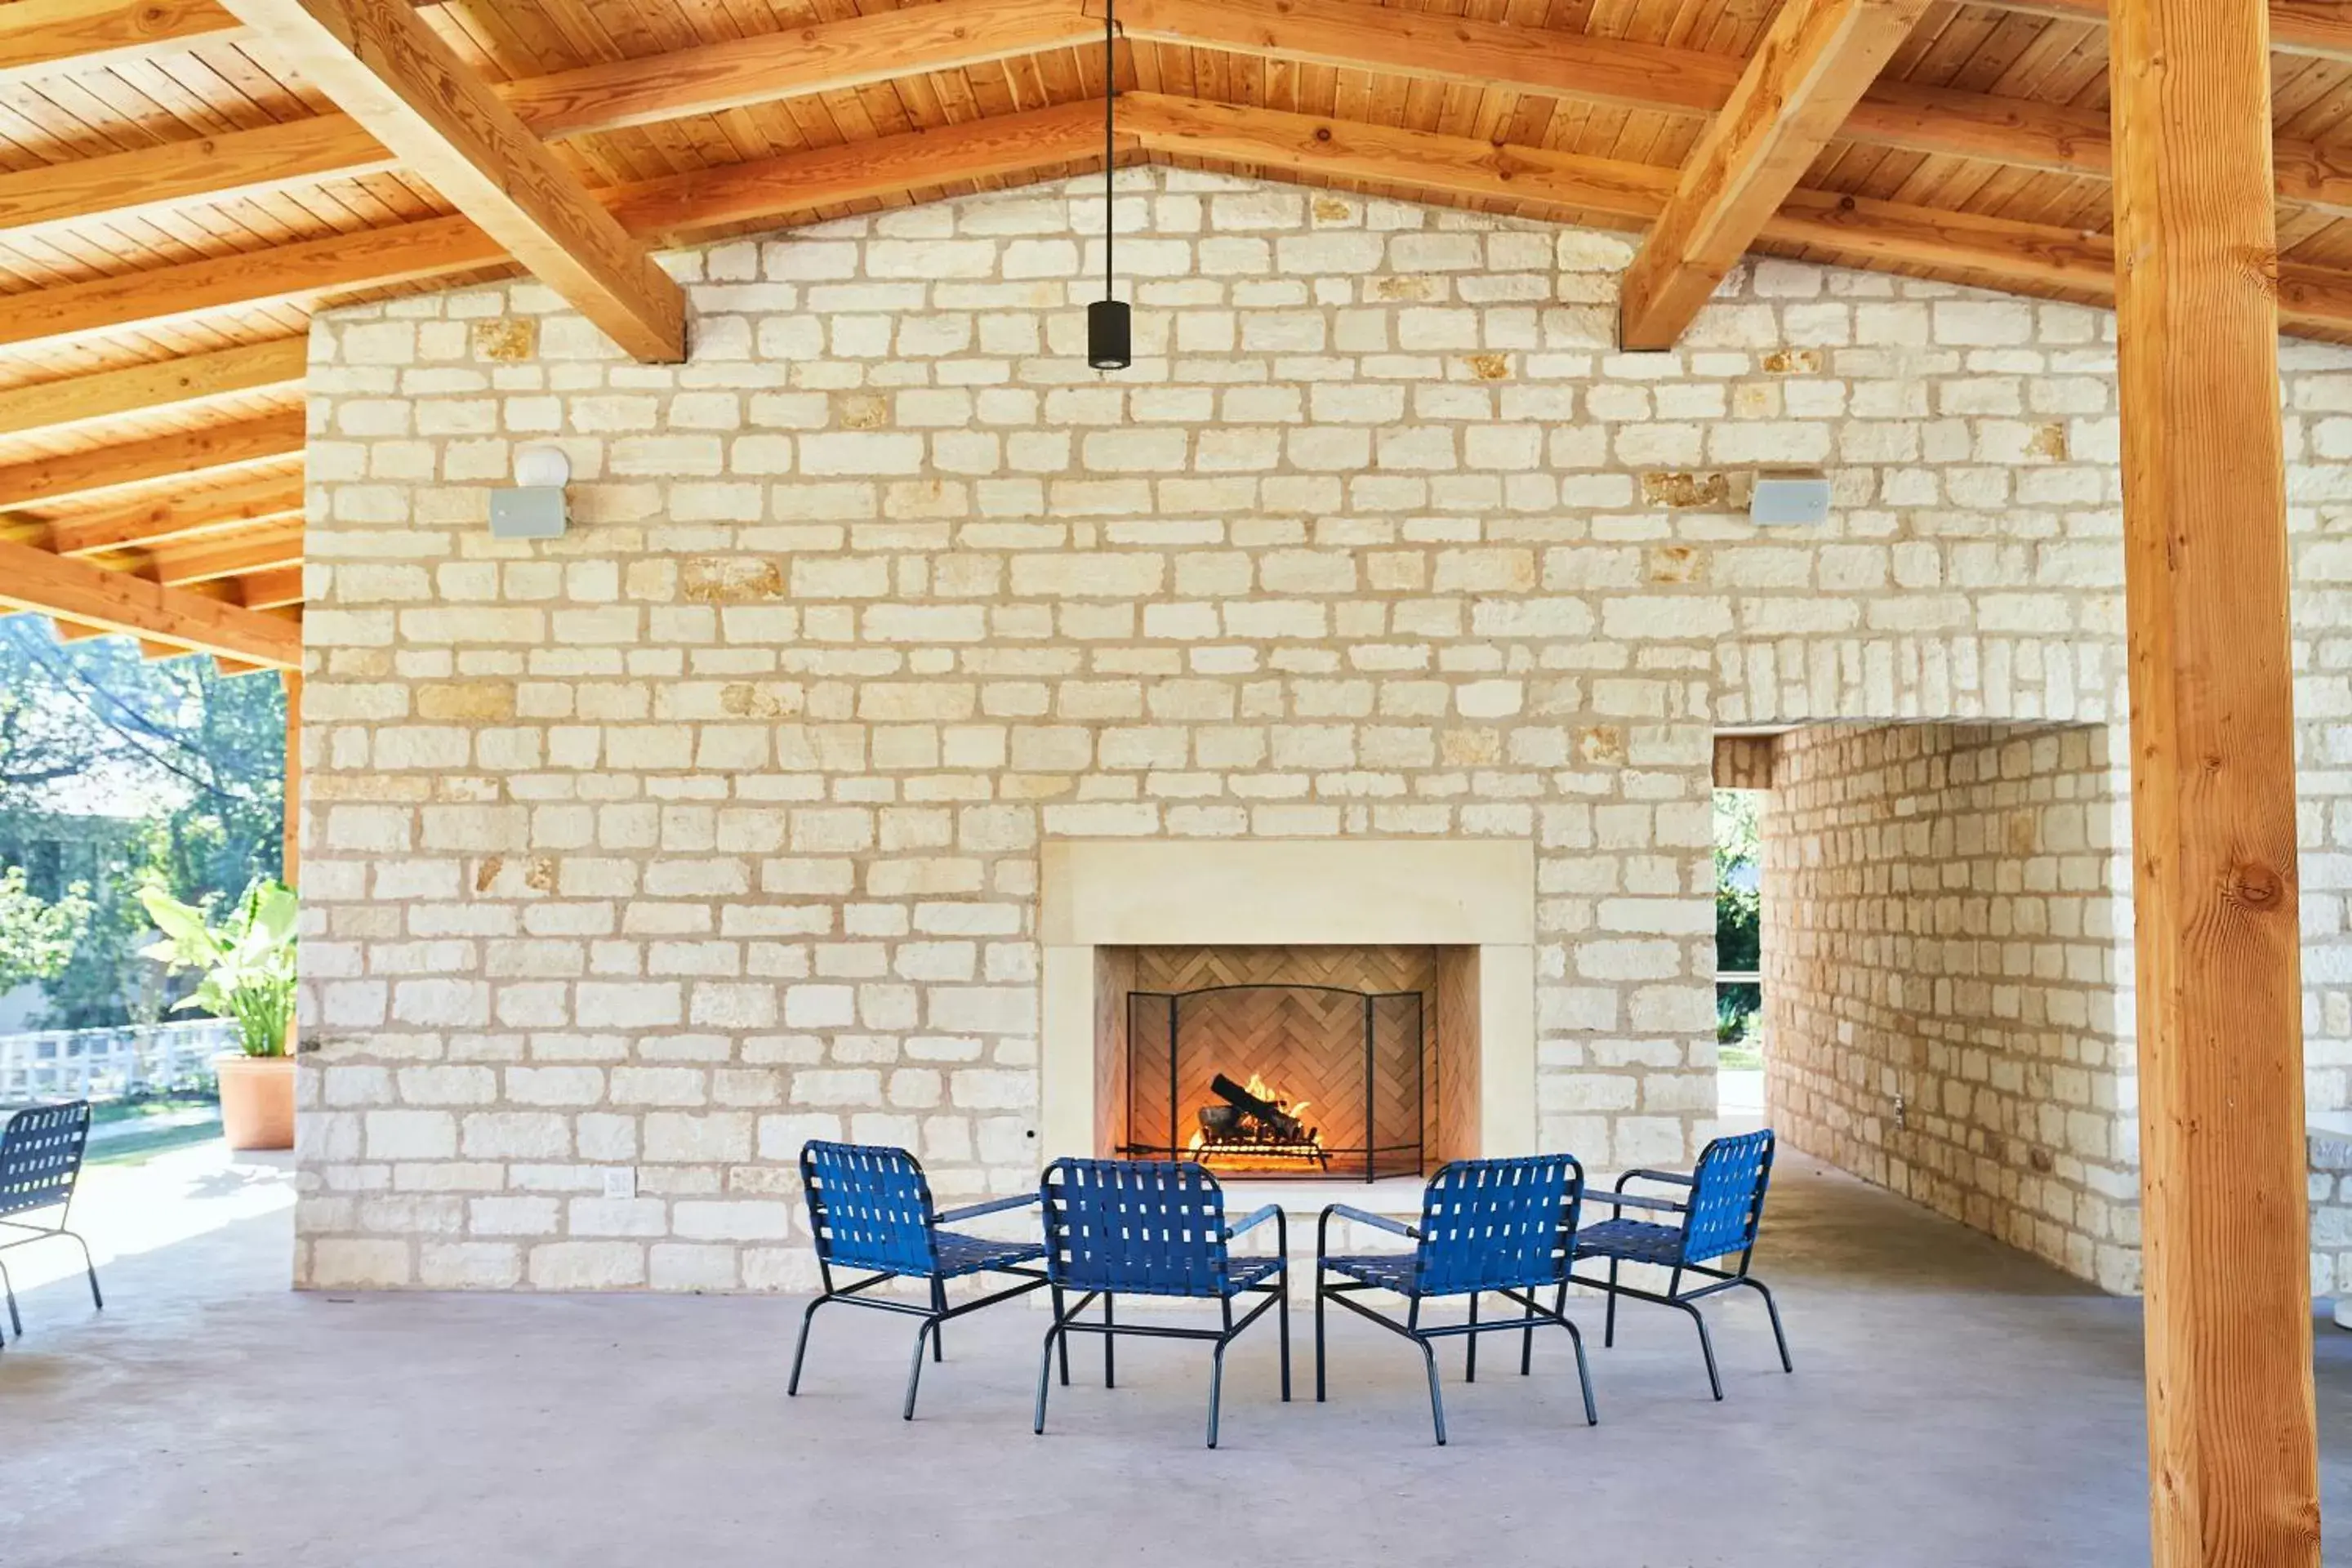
{"x": 1954, "y": 1403}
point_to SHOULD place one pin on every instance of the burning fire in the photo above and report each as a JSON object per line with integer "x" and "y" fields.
{"x": 1264, "y": 1090}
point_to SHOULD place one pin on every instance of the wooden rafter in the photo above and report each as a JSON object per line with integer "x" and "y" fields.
{"x": 390, "y": 73}
{"x": 265, "y": 549}
{"x": 244, "y": 501}
{"x": 173, "y": 618}
{"x": 1811, "y": 67}
{"x": 192, "y": 378}
{"x": 40, "y": 36}
{"x": 212, "y": 168}
{"x": 43, "y": 480}
{"x": 270, "y": 590}
{"x": 2030, "y": 258}
{"x": 2320, "y": 28}
{"x": 675, "y": 208}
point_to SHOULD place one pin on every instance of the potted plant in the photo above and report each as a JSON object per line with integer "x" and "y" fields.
{"x": 247, "y": 962}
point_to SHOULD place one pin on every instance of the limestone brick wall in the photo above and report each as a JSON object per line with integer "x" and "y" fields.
{"x": 635, "y": 858}
{"x": 1946, "y": 962}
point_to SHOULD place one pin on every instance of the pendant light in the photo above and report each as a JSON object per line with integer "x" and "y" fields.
{"x": 1109, "y": 331}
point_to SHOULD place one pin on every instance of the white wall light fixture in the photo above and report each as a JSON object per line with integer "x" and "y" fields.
{"x": 1789, "y": 497}
{"x": 533, "y": 506}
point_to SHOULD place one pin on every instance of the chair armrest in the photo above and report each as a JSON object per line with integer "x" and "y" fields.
{"x": 1377, "y": 1221}
{"x": 995, "y": 1205}
{"x": 1255, "y": 1218}
{"x": 1675, "y": 1178}
{"x": 1636, "y": 1201}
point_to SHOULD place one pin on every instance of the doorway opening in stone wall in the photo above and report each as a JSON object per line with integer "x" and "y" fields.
{"x": 1325, "y": 1062}
{"x": 1739, "y": 1036}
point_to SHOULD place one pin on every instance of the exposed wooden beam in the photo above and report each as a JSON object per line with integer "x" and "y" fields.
{"x": 111, "y": 602}
{"x": 2321, "y": 28}
{"x": 279, "y": 274}
{"x": 2027, "y": 257}
{"x": 1621, "y": 73}
{"x": 39, "y": 38}
{"x": 227, "y": 555}
{"x": 150, "y": 521}
{"x": 271, "y": 590}
{"x": 1809, "y": 68}
{"x": 45, "y": 481}
{"x": 677, "y": 207}
{"x": 390, "y": 71}
{"x": 193, "y": 378}
{"x": 820, "y": 58}
{"x": 2232, "y": 1445}
{"x": 118, "y": 186}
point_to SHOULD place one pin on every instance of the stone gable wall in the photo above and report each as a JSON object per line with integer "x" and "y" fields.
{"x": 641, "y": 856}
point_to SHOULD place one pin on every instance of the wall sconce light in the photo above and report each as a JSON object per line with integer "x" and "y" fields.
{"x": 533, "y": 507}
{"x": 1788, "y": 496}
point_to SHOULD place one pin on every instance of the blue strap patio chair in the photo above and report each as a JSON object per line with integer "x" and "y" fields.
{"x": 1487, "y": 1225}
{"x": 40, "y": 1159}
{"x": 1154, "y": 1227}
{"x": 1720, "y": 1216}
{"x": 870, "y": 1208}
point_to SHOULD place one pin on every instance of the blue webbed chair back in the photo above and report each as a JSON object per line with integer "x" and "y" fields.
{"x": 1726, "y": 1202}
{"x": 1149, "y": 1227}
{"x": 869, "y": 1207}
{"x": 41, "y": 1155}
{"x": 1493, "y": 1224}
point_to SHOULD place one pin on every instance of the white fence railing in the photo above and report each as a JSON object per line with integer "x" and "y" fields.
{"x": 110, "y": 1064}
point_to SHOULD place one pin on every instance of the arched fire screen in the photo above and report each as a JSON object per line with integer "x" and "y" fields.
{"x": 1278, "y": 1080}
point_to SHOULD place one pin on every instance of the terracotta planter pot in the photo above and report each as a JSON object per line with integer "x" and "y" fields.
{"x": 257, "y": 1097}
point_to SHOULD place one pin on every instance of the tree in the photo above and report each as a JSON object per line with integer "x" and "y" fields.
{"x": 37, "y": 937}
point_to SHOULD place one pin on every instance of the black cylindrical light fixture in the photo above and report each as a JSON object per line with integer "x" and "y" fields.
{"x": 1110, "y": 336}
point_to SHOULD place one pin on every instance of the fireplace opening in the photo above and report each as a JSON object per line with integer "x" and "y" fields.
{"x": 1279, "y": 1079}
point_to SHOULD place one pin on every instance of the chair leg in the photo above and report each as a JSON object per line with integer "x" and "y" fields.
{"x": 89, "y": 1266}
{"x": 1436, "y": 1399}
{"x": 1065, "y": 1339}
{"x": 1773, "y": 1307}
{"x": 1584, "y": 1372}
{"x": 1705, "y": 1346}
{"x": 10, "y": 1291}
{"x": 929, "y": 1330}
{"x": 1318, "y": 1331}
{"x": 938, "y": 1335}
{"x": 1045, "y": 1369}
{"x": 800, "y": 1351}
{"x": 1608, "y": 1319}
{"x": 1282, "y": 1327}
{"x": 1216, "y": 1387}
{"x": 1470, "y": 1349}
{"x": 1110, "y": 1379}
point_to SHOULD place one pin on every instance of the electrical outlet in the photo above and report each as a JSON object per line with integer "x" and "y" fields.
{"x": 620, "y": 1181}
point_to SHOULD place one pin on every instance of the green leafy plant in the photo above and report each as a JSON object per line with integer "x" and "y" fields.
{"x": 247, "y": 960}
{"x": 37, "y": 937}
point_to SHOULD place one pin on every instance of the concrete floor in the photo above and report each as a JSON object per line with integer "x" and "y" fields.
{"x": 1954, "y": 1404}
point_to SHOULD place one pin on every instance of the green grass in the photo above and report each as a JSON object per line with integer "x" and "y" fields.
{"x": 111, "y": 1111}
{"x": 1738, "y": 1057}
{"x": 138, "y": 1147}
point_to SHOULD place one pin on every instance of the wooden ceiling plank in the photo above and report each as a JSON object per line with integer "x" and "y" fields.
{"x": 389, "y": 70}
{"x": 139, "y": 388}
{"x": 271, "y": 590}
{"x": 43, "y": 480}
{"x": 113, "y": 601}
{"x": 2320, "y": 28}
{"x": 1813, "y": 65}
{"x": 229, "y": 555}
{"x": 41, "y": 37}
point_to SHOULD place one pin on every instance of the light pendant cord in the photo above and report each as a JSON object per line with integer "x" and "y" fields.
{"x": 1110, "y": 88}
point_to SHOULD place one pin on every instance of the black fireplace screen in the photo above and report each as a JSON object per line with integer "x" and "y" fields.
{"x": 1276, "y": 1080}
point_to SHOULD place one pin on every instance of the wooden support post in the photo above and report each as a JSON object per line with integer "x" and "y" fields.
{"x": 2232, "y": 1462}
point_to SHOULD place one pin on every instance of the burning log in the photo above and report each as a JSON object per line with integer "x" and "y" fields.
{"x": 1276, "y": 1124}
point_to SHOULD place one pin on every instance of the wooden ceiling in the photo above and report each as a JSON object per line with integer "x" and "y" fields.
{"x": 178, "y": 190}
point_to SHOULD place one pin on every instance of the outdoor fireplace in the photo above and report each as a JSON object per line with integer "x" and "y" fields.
{"x": 1280, "y": 1075}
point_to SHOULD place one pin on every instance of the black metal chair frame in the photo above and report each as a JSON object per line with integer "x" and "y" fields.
{"x": 31, "y": 1182}
{"x": 1532, "y": 1314}
{"x": 1676, "y": 1296}
{"x": 936, "y": 1312}
{"x": 1067, "y": 1321}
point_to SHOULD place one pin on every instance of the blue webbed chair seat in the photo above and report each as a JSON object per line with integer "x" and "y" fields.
{"x": 1633, "y": 1240}
{"x": 960, "y": 1255}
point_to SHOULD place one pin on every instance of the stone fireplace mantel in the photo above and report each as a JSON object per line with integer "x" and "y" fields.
{"x": 1474, "y": 894}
